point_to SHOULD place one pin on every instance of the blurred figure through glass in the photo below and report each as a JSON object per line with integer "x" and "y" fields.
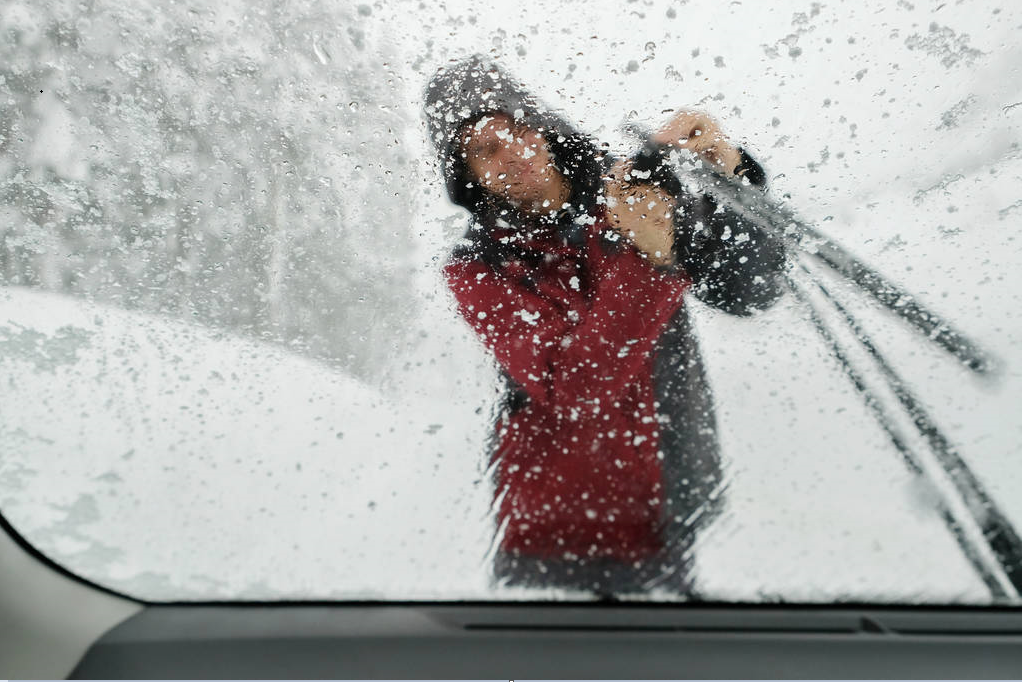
{"x": 574, "y": 274}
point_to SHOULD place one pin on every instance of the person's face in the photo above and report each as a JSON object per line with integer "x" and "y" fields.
{"x": 513, "y": 162}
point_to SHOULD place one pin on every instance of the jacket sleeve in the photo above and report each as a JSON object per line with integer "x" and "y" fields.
{"x": 562, "y": 358}
{"x": 734, "y": 266}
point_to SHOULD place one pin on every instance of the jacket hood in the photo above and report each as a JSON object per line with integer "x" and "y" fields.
{"x": 471, "y": 88}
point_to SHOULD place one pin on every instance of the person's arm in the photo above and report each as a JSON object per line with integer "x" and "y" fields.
{"x": 734, "y": 266}
{"x": 569, "y": 359}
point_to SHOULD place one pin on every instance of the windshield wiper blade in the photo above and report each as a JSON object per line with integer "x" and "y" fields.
{"x": 998, "y": 531}
{"x": 1004, "y": 569}
{"x": 778, "y": 220}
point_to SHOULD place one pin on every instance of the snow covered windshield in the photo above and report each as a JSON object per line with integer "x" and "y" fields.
{"x": 394, "y": 301}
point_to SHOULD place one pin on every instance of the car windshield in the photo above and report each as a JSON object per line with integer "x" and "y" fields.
{"x": 651, "y": 300}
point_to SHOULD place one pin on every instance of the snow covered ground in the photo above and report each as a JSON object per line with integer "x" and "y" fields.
{"x": 171, "y": 462}
{"x": 174, "y": 461}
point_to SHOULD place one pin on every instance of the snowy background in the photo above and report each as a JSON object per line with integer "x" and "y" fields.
{"x": 230, "y": 370}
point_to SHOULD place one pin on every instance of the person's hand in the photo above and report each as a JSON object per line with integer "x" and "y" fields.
{"x": 699, "y": 133}
{"x": 642, "y": 214}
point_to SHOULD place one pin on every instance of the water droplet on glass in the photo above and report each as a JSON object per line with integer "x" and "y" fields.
{"x": 321, "y": 53}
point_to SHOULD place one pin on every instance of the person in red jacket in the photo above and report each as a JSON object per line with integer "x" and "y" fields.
{"x": 574, "y": 274}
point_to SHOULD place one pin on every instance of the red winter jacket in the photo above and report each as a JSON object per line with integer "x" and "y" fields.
{"x": 579, "y": 467}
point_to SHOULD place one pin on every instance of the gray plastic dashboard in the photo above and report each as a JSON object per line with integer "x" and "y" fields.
{"x": 543, "y": 640}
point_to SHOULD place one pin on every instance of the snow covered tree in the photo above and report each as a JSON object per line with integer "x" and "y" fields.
{"x": 233, "y": 165}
